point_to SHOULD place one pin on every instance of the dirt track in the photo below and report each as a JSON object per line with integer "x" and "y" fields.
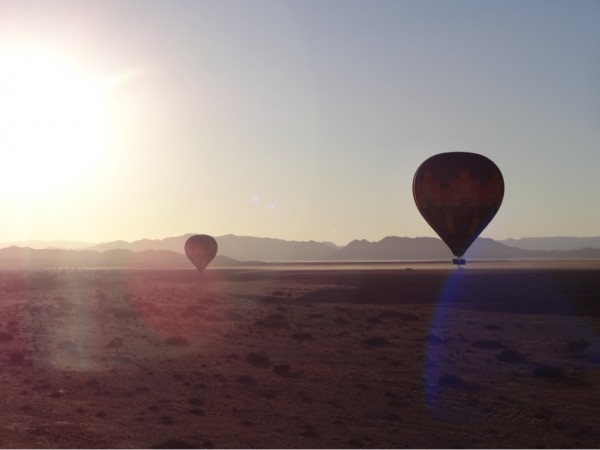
{"x": 497, "y": 357}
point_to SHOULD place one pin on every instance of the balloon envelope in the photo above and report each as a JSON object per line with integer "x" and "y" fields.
{"x": 458, "y": 194}
{"x": 200, "y": 250}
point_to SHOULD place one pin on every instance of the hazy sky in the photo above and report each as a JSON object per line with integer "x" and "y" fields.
{"x": 293, "y": 119}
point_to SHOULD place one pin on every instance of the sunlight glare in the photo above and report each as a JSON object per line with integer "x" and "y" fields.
{"x": 53, "y": 123}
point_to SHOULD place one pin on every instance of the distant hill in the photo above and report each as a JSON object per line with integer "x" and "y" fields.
{"x": 424, "y": 248}
{"x": 485, "y": 248}
{"x": 394, "y": 248}
{"x": 242, "y": 248}
{"x": 236, "y": 250}
{"x": 37, "y": 244}
{"x": 246, "y": 248}
{"x": 554, "y": 243}
{"x": 173, "y": 244}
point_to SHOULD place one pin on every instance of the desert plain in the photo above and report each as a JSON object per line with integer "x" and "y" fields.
{"x": 502, "y": 355}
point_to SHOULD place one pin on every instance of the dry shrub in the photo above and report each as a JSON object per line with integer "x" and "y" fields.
{"x": 16, "y": 358}
{"x": 355, "y": 443}
{"x": 410, "y": 317}
{"x": 42, "y": 280}
{"x": 167, "y": 420}
{"x": 405, "y": 316}
{"x": 282, "y": 369}
{"x": 272, "y": 321}
{"x": 544, "y": 413}
{"x": 195, "y": 401}
{"x": 258, "y": 360}
{"x": 455, "y": 382}
{"x": 302, "y": 336}
{"x": 548, "y": 372}
{"x": 488, "y": 344}
{"x": 391, "y": 417}
{"x": 174, "y": 443}
{"x": 246, "y": 380}
{"x": 433, "y": 339}
{"x": 578, "y": 346}
{"x": 92, "y": 382}
{"x": 511, "y": 356}
{"x": 376, "y": 342}
{"x": 177, "y": 341}
{"x": 5, "y": 337}
{"x": 68, "y": 346}
{"x": 123, "y": 313}
{"x": 115, "y": 343}
{"x": 305, "y": 397}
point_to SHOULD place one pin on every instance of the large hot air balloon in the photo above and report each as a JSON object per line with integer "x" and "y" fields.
{"x": 200, "y": 250}
{"x": 458, "y": 194}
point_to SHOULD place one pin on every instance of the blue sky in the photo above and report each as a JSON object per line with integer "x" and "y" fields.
{"x": 307, "y": 119}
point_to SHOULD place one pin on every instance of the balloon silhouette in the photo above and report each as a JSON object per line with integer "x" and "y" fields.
{"x": 200, "y": 250}
{"x": 458, "y": 194}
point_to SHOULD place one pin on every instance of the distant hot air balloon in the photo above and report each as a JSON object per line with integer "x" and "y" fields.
{"x": 200, "y": 250}
{"x": 458, "y": 194}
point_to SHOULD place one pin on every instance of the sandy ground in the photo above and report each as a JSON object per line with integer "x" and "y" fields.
{"x": 489, "y": 356}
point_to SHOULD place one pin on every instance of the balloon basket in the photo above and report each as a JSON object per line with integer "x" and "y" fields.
{"x": 458, "y": 262}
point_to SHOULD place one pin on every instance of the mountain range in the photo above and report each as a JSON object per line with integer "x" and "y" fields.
{"x": 168, "y": 252}
{"x": 554, "y": 243}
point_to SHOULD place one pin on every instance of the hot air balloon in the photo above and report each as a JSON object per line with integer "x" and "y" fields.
{"x": 200, "y": 250}
{"x": 458, "y": 194}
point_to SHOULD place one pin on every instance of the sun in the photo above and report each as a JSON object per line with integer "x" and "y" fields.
{"x": 53, "y": 123}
